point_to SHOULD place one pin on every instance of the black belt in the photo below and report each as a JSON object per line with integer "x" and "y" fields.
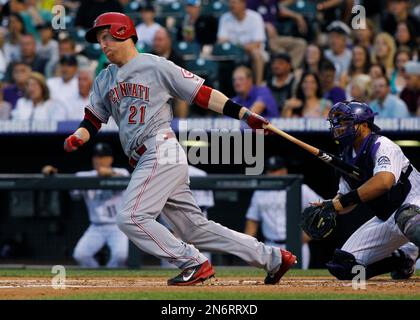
{"x": 142, "y": 149}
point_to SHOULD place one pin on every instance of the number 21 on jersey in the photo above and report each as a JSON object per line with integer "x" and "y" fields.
{"x": 137, "y": 114}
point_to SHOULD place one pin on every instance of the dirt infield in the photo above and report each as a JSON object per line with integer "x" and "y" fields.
{"x": 40, "y": 287}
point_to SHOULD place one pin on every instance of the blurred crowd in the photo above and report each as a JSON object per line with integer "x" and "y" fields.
{"x": 290, "y": 58}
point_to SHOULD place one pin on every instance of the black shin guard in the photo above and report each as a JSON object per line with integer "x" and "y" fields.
{"x": 384, "y": 266}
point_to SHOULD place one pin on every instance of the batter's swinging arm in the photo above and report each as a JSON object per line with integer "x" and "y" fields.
{"x": 328, "y": 158}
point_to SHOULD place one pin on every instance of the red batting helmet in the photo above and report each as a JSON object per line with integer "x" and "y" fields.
{"x": 121, "y": 27}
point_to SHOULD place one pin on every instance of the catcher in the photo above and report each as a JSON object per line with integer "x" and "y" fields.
{"x": 390, "y": 187}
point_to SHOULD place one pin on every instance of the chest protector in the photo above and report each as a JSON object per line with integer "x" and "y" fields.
{"x": 386, "y": 204}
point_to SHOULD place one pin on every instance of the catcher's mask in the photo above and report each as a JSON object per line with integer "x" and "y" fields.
{"x": 343, "y": 117}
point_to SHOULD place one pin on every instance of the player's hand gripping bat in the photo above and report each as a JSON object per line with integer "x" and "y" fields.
{"x": 328, "y": 158}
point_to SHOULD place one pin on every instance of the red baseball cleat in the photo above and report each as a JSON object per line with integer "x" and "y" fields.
{"x": 193, "y": 275}
{"x": 287, "y": 261}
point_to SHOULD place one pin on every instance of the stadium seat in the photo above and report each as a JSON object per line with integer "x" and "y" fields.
{"x": 207, "y": 69}
{"x": 305, "y": 8}
{"x": 69, "y": 21}
{"x": 93, "y": 50}
{"x": 132, "y": 6}
{"x": 144, "y": 48}
{"x": 214, "y": 8}
{"x": 173, "y": 9}
{"x": 228, "y": 52}
{"x": 188, "y": 50}
{"x": 77, "y": 34}
{"x": 135, "y": 16}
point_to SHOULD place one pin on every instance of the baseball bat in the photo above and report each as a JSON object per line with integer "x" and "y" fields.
{"x": 328, "y": 158}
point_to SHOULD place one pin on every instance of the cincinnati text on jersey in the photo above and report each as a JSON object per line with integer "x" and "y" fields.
{"x": 126, "y": 89}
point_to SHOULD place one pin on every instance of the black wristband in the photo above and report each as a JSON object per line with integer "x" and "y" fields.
{"x": 350, "y": 199}
{"x": 231, "y": 109}
{"x": 89, "y": 126}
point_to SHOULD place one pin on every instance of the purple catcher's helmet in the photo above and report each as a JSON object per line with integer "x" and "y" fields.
{"x": 344, "y": 115}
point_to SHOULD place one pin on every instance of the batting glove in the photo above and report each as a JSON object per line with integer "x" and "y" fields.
{"x": 255, "y": 121}
{"x": 72, "y": 143}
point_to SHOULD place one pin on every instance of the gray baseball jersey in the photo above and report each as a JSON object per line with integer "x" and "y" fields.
{"x": 136, "y": 95}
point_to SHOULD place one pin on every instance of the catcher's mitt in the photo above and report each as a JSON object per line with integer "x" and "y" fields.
{"x": 318, "y": 221}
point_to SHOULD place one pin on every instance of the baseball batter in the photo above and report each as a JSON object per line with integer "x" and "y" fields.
{"x": 390, "y": 187}
{"x": 134, "y": 90}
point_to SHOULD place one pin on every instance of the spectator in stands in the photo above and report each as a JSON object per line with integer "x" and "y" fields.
{"x": 162, "y": 46}
{"x": 331, "y": 10}
{"x": 245, "y": 27}
{"x": 32, "y": 16}
{"x": 360, "y": 88}
{"x": 89, "y": 10}
{"x": 386, "y": 104}
{"x": 66, "y": 46}
{"x": 3, "y": 60}
{"x": 48, "y": 46}
{"x": 65, "y": 87}
{"x": 360, "y": 64}
{"x": 397, "y": 11}
{"x": 4, "y": 10}
{"x": 5, "y": 107}
{"x": 16, "y": 28}
{"x": 76, "y": 105}
{"x": 20, "y": 76}
{"x": 313, "y": 59}
{"x": 411, "y": 93}
{"x": 282, "y": 81}
{"x": 364, "y": 36}
{"x": 37, "y": 105}
{"x": 405, "y": 36}
{"x": 147, "y": 28}
{"x": 28, "y": 55}
{"x": 330, "y": 90}
{"x": 383, "y": 51}
{"x": 308, "y": 102}
{"x": 338, "y": 53}
{"x": 257, "y": 98}
{"x": 272, "y": 13}
{"x": 377, "y": 70}
{"x": 196, "y": 27}
{"x": 402, "y": 56}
